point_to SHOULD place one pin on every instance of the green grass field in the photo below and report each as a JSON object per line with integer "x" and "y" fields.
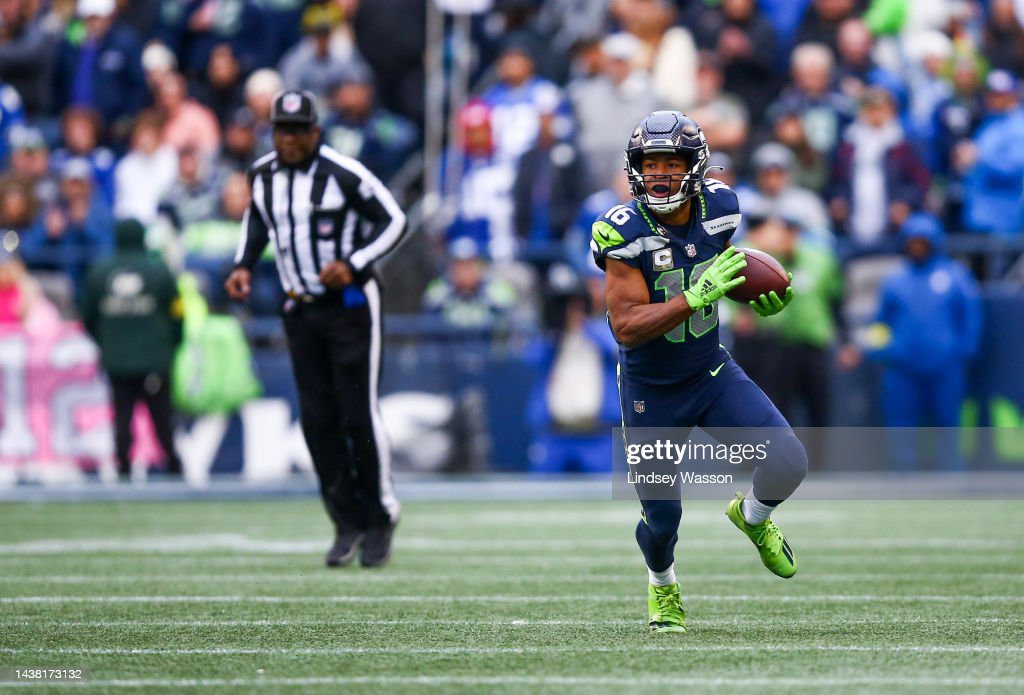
{"x": 512, "y": 597}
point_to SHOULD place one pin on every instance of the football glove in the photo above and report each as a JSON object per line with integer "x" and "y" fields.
{"x": 771, "y": 304}
{"x": 718, "y": 279}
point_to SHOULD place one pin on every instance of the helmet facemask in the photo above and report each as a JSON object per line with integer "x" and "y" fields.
{"x": 643, "y": 187}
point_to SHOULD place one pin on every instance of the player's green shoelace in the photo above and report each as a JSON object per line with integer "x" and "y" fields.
{"x": 768, "y": 536}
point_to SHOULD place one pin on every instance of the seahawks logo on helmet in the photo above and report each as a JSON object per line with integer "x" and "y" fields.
{"x": 667, "y": 132}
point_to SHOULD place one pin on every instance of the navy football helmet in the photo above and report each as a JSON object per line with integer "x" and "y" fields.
{"x": 667, "y": 132}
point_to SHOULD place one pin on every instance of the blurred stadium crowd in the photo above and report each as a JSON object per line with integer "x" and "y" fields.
{"x": 846, "y": 127}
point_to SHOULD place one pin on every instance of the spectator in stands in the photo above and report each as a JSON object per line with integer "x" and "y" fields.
{"x": 216, "y": 237}
{"x": 855, "y": 64}
{"x": 723, "y": 116}
{"x": 481, "y": 182}
{"x": 260, "y": 89}
{"x": 468, "y": 295}
{"x": 132, "y": 309}
{"x": 958, "y": 116}
{"x": 550, "y": 184}
{"x": 222, "y": 91}
{"x": 30, "y": 161}
{"x": 157, "y": 62}
{"x": 239, "y": 149}
{"x": 18, "y": 204}
{"x": 611, "y": 103}
{"x": 775, "y": 192}
{"x": 579, "y": 235}
{"x": 878, "y": 180}
{"x": 26, "y": 55}
{"x": 956, "y": 120}
{"x": 210, "y": 243}
{"x": 1003, "y": 38}
{"x": 194, "y": 28}
{"x": 586, "y": 60}
{"x": 519, "y": 99}
{"x": 317, "y": 62}
{"x": 745, "y": 45}
{"x": 146, "y": 173}
{"x": 572, "y": 25}
{"x": 101, "y": 70}
{"x": 791, "y": 357}
{"x": 195, "y": 194}
{"x": 358, "y": 127}
{"x": 669, "y": 53}
{"x": 926, "y": 78}
{"x": 823, "y": 111}
{"x": 575, "y": 401}
{"x": 22, "y": 302}
{"x": 11, "y": 114}
{"x": 810, "y": 167}
{"x": 187, "y": 123}
{"x": 81, "y": 131}
{"x": 823, "y": 19}
{"x": 73, "y": 232}
{"x": 925, "y": 355}
{"x": 993, "y": 164}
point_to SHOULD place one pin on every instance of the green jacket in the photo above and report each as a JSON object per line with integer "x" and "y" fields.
{"x": 131, "y": 307}
{"x": 818, "y": 286}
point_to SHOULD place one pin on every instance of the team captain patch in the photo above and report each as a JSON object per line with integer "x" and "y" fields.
{"x": 663, "y": 259}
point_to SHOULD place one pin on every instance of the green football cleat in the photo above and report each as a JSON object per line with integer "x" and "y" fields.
{"x": 771, "y": 544}
{"x": 665, "y": 609}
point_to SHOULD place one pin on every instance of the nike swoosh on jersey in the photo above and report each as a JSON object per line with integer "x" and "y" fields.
{"x": 716, "y": 370}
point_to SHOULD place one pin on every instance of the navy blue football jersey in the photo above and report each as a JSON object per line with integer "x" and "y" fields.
{"x": 672, "y": 258}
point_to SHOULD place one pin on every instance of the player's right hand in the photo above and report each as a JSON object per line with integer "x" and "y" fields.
{"x": 718, "y": 279}
{"x": 238, "y": 284}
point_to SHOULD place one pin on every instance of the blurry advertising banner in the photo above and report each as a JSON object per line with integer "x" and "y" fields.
{"x": 54, "y": 406}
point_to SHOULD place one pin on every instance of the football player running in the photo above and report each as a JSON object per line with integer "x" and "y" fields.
{"x": 668, "y": 260}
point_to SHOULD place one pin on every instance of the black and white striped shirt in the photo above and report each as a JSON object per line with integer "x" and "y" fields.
{"x": 331, "y": 209}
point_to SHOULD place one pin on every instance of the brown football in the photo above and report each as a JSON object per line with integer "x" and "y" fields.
{"x": 763, "y": 274}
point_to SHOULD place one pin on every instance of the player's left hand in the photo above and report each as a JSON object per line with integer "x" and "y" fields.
{"x": 771, "y": 304}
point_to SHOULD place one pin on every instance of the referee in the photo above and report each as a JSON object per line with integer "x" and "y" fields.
{"x": 330, "y": 220}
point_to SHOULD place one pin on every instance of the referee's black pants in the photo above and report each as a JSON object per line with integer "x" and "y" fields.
{"x": 335, "y": 352}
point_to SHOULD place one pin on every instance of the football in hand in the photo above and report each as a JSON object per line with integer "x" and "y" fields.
{"x": 763, "y": 274}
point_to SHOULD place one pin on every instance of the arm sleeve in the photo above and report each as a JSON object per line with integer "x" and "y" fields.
{"x": 255, "y": 234}
{"x": 375, "y": 204}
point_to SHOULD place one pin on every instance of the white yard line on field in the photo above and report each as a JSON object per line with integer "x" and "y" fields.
{"x": 320, "y": 577}
{"x": 587, "y": 648}
{"x": 500, "y": 598}
{"x": 239, "y": 543}
{"x": 630, "y": 682}
{"x": 38, "y": 621}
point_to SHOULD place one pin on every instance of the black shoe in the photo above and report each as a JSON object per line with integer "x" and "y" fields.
{"x": 346, "y": 545}
{"x": 377, "y": 546}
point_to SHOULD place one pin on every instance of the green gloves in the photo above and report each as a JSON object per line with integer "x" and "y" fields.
{"x": 771, "y": 305}
{"x": 718, "y": 279}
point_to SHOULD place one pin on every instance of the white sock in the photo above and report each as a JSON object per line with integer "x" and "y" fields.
{"x": 753, "y": 511}
{"x": 666, "y": 578}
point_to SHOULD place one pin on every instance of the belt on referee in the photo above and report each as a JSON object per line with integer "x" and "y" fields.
{"x": 349, "y": 296}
